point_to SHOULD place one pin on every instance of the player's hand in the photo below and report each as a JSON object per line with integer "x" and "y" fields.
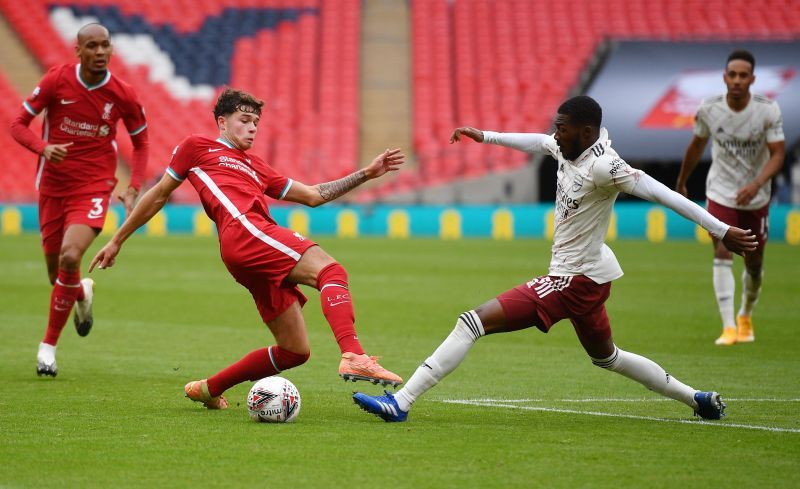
{"x": 470, "y": 132}
{"x": 128, "y": 199}
{"x": 389, "y": 160}
{"x": 746, "y": 193}
{"x": 740, "y": 240}
{"x": 56, "y": 152}
{"x": 681, "y": 189}
{"x": 106, "y": 257}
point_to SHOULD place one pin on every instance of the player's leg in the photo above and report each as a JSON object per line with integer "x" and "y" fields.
{"x": 51, "y": 260}
{"x": 752, "y": 274}
{"x": 511, "y": 311}
{"x": 291, "y": 350}
{"x": 486, "y": 319}
{"x": 66, "y": 290}
{"x": 318, "y": 269}
{"x": 724, "y": 283}
{"x": 724, "y": 290}
{"x": 594, "y": 333}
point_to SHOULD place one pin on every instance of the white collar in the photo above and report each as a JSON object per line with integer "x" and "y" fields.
{"x": 87, "y": 86}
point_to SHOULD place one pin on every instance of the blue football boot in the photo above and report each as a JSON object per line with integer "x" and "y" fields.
{"x": 385, "y": 407}
{"x": 709, "y": 405}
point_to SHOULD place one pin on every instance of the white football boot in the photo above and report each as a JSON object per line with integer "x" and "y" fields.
{"x": 83, "y": 309}
{"x": 46, "y": 360}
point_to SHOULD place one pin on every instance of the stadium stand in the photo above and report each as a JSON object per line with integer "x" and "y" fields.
{"x": 301, "y": 56}
{"x": 19, "y": 166}
{"x": 500, "y": 64}
{"x": 507, "y": 64}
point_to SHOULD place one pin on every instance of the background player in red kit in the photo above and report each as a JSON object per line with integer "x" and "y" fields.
{"x": 267, "y": 259}
{"x": 75, "y": 176}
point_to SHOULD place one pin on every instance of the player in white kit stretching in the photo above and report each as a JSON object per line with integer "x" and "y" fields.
{"x": 748, "y": 151}
{"x": 590, "y": 175}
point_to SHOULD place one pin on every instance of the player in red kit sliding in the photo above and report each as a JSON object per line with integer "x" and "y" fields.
{"x": 267, "y": 259}
{"x": 75, "y": 177}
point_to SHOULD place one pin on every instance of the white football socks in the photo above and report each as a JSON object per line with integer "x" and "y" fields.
{"x": 443, "y": 361}
{"x": 751, "y": 290}
{"x": 724, "y": 287}
{"x": 649, "y": 374}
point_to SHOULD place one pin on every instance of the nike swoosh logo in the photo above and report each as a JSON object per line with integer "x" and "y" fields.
{"x": 61, "y": 308}
{"x": 337, "y": 303}
{"x": 67, "y": 102}
{"x": 213, "y": 150}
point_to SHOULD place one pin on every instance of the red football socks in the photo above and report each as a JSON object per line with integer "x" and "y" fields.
{"x": 65, "y": 292}
{"x": 337, "y": 307}
{"x": 256, "y": 365}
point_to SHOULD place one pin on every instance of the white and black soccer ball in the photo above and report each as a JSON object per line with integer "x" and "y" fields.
{"x": 273, "y": 400}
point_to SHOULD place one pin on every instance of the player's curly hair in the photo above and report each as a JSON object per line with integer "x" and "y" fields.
{"x": 582, "y": 110}
{"x": 743, "y": 55}
{"x": 231, "y": 100}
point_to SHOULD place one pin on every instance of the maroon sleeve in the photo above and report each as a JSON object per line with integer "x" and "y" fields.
{"x": 21, "y": 132}
{"x": 141, "y": 151}
{"x": 44, "y": 92}
{"x": 133, "y": 116}
{"x": 183, "y": 158}
{"x": 37, "y": 101}
{"x": 277, "y": 184}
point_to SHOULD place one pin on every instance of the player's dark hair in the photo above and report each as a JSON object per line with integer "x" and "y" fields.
{"x": 743, "y": 55}
{"x": 231, "y": 100}
{"x": 582, "y": 110}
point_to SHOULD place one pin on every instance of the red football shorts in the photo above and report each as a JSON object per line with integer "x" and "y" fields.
{"x": 544, "y": 301}
{"x": 56, "y": 214}
{"x": 260, "y": 254}
{"x": 757, "y": 220}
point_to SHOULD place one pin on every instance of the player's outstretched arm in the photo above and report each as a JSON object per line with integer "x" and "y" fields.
{"x": 735, "y": 239}
{"x": 313, "y": 196}
{"x": 470, "y": 132}
{"x": 690, "y": 159}
{"x": 521, "y": 141}
{"x": 152, "y": 202}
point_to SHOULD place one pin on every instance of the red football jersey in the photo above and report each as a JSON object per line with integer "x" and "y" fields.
{"x": 86, "y": 116}
{"x": 230, "y": 182}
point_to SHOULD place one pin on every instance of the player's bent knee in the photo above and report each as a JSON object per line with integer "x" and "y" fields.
{"x": 333, "y": 273}
{"x": 70, "y": 258}
{"x": 285, "y": 359}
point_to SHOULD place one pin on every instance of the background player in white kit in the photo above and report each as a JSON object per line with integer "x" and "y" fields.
{"x": 748, "y": 151}
{"x": 590, "y": 175}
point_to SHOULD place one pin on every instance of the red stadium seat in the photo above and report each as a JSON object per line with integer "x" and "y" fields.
{"x": 306, "y": 71}
{"x": 506, "y": 65}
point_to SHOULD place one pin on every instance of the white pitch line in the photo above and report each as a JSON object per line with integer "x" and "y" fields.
{"x": 613, "y": 399}
{"x": 627, "y": 416}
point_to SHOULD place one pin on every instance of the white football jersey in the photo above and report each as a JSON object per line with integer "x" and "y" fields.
{"x": 585, "y": 194}
{"x": 739, "y": 149}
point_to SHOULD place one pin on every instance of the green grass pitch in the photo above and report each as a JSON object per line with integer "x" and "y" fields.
{"x": 168, "y": 312}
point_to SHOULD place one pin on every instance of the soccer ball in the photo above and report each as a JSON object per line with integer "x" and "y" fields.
{"x": 273, "y": 400}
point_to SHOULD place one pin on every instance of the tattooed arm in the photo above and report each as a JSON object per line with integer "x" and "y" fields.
{"x": 312, "y": 196}
{"x": 331, "y": 190}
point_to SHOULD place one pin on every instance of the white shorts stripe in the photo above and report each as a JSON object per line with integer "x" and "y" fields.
{"x": 241, "y": 217}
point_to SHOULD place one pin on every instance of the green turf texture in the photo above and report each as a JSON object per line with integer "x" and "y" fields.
{"x": 168, "y": 312}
